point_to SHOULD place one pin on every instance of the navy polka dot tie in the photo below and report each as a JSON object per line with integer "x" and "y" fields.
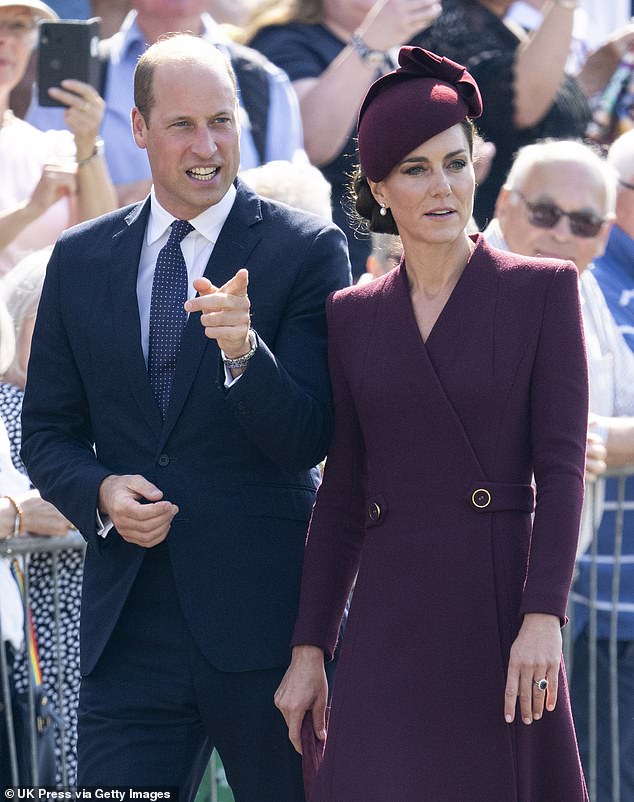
{"x": 167, "y": 316}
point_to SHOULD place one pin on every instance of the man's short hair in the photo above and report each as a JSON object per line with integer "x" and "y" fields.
{"x": 183, "y": 47}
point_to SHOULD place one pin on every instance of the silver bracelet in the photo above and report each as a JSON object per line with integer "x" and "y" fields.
{"x": 241, "y": 361}
{"x": 376, "y": 59}
{"x": 97, "y": 151}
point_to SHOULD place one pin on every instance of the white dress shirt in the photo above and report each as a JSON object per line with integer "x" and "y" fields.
{"x": 197, "y": 247}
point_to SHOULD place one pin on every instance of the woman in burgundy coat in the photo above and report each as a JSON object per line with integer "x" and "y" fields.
{"x": 457, "y": 378}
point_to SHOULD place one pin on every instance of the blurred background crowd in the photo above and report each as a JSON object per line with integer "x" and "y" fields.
{"x": 557, "y": 81}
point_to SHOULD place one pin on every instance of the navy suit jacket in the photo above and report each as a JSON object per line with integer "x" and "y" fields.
{"x": 237, "y": 462}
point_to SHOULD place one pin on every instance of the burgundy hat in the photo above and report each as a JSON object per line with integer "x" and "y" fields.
{"x": 426, "y": 95}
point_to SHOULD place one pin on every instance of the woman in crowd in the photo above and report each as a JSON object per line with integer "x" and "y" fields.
{"x": 449, "y": 375}
{"x": 21, "y": 289}
{"x": 332, "y": 50}
{"x": 51, "y": 179}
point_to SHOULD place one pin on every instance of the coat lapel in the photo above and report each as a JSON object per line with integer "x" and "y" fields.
{"x": 427, "y": 368}
{"x": 127, "y": 243}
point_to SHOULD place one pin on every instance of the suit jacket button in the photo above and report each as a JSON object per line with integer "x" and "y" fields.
{"x": 374, "y": 511}
{"x": 163, "y": 460}
{"x": 243, "y": 408}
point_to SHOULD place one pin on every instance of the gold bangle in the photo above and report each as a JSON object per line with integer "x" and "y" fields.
{"x": 19, "y": 517}
{"x": 570, "y": 5}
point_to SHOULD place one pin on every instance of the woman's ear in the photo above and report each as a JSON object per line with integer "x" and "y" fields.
{"x": 376, "y": 188}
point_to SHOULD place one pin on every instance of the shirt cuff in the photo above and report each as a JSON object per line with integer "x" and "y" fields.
{"x": 104, "y": 525}
{"x": 229, "y": 379}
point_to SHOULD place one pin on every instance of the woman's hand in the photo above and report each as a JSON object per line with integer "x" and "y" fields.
{"x": 56, "y": 182}
{"x": 391, "y": 23}
{"x": 303, "y": 688}
{"x": 41, "y": 518}
{"x": 85, "y": 108}
{"x": 535, "y": 655}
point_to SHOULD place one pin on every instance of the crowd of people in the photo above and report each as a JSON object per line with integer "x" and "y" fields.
{"x": 317, "y": 323}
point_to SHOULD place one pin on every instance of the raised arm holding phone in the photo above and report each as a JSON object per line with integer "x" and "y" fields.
{"x": 50, "y": 179}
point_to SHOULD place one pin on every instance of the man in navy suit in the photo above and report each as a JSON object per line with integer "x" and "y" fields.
{"x": 195, "y": 506}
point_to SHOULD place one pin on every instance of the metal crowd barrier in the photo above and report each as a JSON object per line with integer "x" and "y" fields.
{"x": 619, "y": 507}
{"x": 214, "y": 787}
{"x": 25, "y": 547}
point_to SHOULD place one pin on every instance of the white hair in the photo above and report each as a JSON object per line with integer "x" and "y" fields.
{"x": 20, "y": 289}
{"x": 295, "y": 183}
{"x": 621, "y": 155}
{"x": 562, "y": 151}
{"x": 7, "y": 338}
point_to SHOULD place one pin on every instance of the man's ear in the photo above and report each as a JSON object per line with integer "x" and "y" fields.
{"x": 602, "y": 239}
{"x": 502, "y": 204}
{"x": 138, "y": 127}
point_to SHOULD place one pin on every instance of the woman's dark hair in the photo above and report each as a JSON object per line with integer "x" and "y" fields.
{"x": 365, "y": 209}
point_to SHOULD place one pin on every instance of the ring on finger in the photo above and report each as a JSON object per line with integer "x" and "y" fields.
{"x": 541, "y": 684}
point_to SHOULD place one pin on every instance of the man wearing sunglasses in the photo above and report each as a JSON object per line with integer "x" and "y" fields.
{"x": 559, "y": 201}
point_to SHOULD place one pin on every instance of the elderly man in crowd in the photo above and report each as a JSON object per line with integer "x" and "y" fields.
{"x": 558, "y": 201}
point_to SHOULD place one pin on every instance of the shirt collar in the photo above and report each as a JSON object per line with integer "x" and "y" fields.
{"x": 209, "y": 223}
{"x": 134, "y": 42}
{"x": 493, "y": 235}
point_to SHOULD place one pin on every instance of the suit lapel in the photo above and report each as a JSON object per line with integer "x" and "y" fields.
{"x": 127, "y": 243}
{"x": 237, "y": 239}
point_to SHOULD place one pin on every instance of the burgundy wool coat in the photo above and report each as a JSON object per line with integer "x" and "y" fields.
{"x": 427, "y": 495}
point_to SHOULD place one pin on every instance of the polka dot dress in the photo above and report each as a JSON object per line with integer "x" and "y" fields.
{"x": 41, "y": 569}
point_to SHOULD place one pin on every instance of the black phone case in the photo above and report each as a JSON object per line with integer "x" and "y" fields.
{"x": 67, "y": 49}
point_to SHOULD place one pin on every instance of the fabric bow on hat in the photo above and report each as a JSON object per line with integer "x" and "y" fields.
{"x": 425, "y": 95}
{"x": 425, "y": 64}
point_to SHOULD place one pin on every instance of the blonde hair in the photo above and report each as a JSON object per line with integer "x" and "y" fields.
{"x": 281, "y": 12}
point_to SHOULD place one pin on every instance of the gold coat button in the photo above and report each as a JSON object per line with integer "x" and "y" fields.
{"x": 481, "y": 498}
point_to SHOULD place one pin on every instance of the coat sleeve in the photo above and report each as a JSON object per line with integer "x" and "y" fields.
{"x": 559, "y": 420}
{"x": 283, "y": 401}
{"x": 57, "y": 437}
{"x": 337, "y": 528}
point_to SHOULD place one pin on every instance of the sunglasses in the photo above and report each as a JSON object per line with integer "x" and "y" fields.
{"x": 543, "y": 214}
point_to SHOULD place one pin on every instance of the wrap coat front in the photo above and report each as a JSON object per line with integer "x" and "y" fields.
{"x": 427, "y": 500}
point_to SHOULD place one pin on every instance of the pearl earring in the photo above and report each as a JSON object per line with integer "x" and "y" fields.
{"x": 383, "y": 210}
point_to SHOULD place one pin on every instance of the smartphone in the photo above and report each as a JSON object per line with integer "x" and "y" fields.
{"x": 67, "y": 49}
